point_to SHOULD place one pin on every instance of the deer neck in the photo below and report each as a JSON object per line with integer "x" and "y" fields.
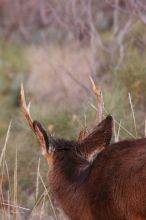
{"x": 69, "y": 189}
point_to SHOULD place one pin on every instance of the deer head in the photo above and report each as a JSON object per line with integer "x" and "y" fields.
{"x": 69, "y": 161}
{"x": 88, "y": 147}
{"x": 91, "y": 178}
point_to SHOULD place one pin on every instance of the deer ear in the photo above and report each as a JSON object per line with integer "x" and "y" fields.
{"x": 46, "y": 141}
{"x": 99, "y": 138}
{"x": 42, "y": 136}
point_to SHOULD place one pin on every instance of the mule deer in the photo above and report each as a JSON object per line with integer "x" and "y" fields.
{"x": 109, "y": 186}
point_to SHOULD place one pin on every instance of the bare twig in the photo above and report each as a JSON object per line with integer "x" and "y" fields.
{"x": 116, "y": 122}
{"x": 37, "y": 181}
{"x": 118, "y": 133}
{"x": 133, "y": 115}
{"x": 47, "y": 194}
{"x": 116, "y": 16}
{"x": 77, "y": 81}
{"x": 15, "y": 210}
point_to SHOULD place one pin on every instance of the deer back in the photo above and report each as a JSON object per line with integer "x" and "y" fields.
{"x": 117, "y": 182}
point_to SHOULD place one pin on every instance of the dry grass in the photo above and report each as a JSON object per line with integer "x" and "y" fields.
{"x": 10, "y": 206}
{"x": 42, "y": 206}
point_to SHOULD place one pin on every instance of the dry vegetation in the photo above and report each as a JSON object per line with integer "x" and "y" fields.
{"x": 53, "y": 50}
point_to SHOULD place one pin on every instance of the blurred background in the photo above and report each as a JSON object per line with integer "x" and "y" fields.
{"x": 53, "y": 47}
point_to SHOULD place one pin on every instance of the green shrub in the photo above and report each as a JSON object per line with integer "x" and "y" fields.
{"x": 13, "y": 69}
{"x": 132, "y": 76}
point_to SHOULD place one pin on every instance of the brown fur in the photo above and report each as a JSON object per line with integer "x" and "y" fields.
{"x": 110, "y": 187}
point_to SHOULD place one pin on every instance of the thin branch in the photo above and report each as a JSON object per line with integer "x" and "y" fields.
{"x": 133, "y": 115}
{"x": 67, "y": 72}
{"x": 116, "y": 122}
{"x": 118, "y": 133}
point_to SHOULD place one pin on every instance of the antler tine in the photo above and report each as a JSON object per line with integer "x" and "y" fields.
{"x": 82, "y": 134}
{"x": 98, "y": 93}
{"x": 25, "y": 108}
{"x": 35, "y": 126}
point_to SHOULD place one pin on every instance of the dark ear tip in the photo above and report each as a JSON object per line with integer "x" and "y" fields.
{"x": 109, "y": 118}
{"x": 36, "y": 124}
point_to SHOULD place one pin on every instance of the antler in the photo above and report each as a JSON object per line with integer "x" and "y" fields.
{"x": 35, "y": 126}
{"x": 98, "y": 94}
{"x": 82, "y": 134}
{"x": 25, "y": 108}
